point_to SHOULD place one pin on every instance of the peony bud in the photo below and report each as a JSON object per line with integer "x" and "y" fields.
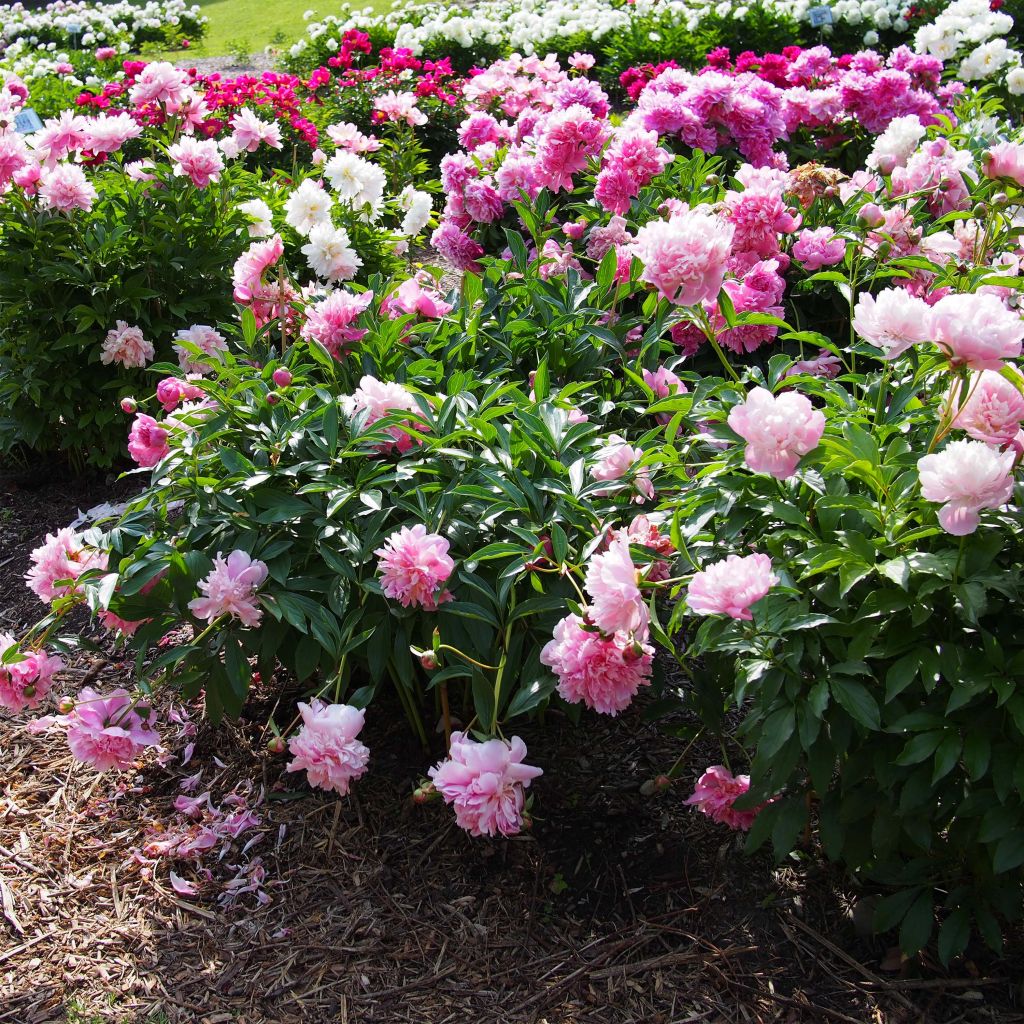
{"x": 429, "y": 660}
{"x": 276, "y": 745}
{"x": 1000, "y": 199}
{"x": 29, "y": 691}
{"x": 871, "y": 215}
{"x": 282, "y": 377}
{"x": 66, "y": 706}
{"x": 129, "y": 406}
{"x": 422, "y": 794}
{"x": 273, "y": 398}
{"x": 712, "y": 179}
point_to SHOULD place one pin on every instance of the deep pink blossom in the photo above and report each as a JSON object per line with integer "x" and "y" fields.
{"x": 716, "y": 792}
{"x": 819, "y": 247}
{"x": 332, "y": 321}
{"x": 26, "y": 683}
{"x": 413, "y": 567}
{"x": 147, "y": 441}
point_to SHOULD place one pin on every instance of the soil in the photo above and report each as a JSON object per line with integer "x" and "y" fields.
{"x": 615, "y": 908}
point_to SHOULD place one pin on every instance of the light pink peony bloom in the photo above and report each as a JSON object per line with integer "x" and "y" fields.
{"x": 976, "y": 330}
{"x": 617, "y": 460}
{"x": 326, "y": 747}
{"x": 413, "y": 567}
{"x": 107, "y": 732}
{"x": 731, "y": 586}
{"x": 824, "y": 365}
{"x": 147, "y": 441}
{"x": 378, "y": 399}
{"x": 485, "y": 783}
{"x": 685, "y": 256}
{"x": 25, "y": 684}
{"x": 412, "y": 297}
{"x": 617, "y": 605}
{"x": 893, "y": 320}
{"x": 159, "y": 82}
{"x": 581, "y": 61}
{"x": 331, "y": 322}
{"x": 207, "y": 340}
{"x": 400, "y": 106}
{"x": 109, "y": 133}
{"x": 1004, "y": 160}
{"x": 65, "y": 188}
{"x": 604, "y": 672}
{"x": 230, "y": 589}
{"x": 993, "y": 411}
{"x": 968, "y": 476}
{"x": 819, "y": 247}
{"x": 249, "y": 131}
{"x": 64, "y": 556}
{"x": 717, "y": 790}
{"x": 14, "y": 156}
{"x": 126, "y": 346}
{"x": 197, "y": 159}
{"x": 779, "y": 430}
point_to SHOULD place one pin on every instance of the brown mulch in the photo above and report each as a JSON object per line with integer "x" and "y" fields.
{"x": 615, "y": 908}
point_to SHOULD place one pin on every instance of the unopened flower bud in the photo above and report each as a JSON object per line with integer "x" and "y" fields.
{"x": 871, "y": 215}
{"x": 276, "y": 745}
{"x": 979, "y": 211}
{"x": 633, "y": 652}
{"x": 282, "y": 377}
{"x": 1000, "y": 199}
{"x": 273, "y": 398}
{"x": 423, "y": 793}
{"x": 429, "y": 660}
{"x": 66, "y": 706}
{"x": 129, "y": 406}
{"x": 662, "y": 782}
{"x": 712, "y": 179}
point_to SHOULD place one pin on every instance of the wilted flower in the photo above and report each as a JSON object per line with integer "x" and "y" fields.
{"x": 25, "y": 684}
{"x": 108, "y": 732}
{"x": 717, "y": 790}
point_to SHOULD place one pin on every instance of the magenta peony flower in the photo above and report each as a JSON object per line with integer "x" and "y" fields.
{"x": 172, "y": 391}
{"x": 413, "y": 566}
{"x": 685, "y": 256}
{"x": 107, "y": 732}
{"x": 25, "y": 684}
{"x": 893, "y": 320}
{"x": 617, "y": 605}
{"x": 65, "y": 188}
{"x": 485, "y": 783}
{"x": 125, "y": 345}
{"x": 993, "y": 411}
{"x": 819, "y": 247}
{"x": 64, "y": 556}
{"x": 731, "y": 586}
{"x": 230, "y": 589}
{"x": 197, "y": 159}
{"x": 617, "y": 460}
{"x": 968, "y": 476}
{"x": 326, "y": 747}
{"x": 716, "y": 792}
{"x": 976, "y": 330}
{"x": 147, "y": 441}
{"x": 604, "y": 672}
{"x": 779, "y": 430}
{"x": 378, "y": 399}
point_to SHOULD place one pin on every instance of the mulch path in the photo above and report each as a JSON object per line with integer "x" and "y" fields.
{"x": 616, "y": 908}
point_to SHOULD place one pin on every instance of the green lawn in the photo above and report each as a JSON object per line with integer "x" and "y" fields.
{"x": 253, "y": 24}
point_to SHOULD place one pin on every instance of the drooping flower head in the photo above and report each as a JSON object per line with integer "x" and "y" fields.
{"x": 25, "y": 684}
{"x": 126, "y": 346}
{"x": 485, "y": 783}
{"x": 716, "y": 792}
{"x": 413, "y": 567}
{"x": 108, "y": 732}
{"x": 64, "y": 556}
{"x": 731, "y": 586}
{"x": 230, "y": 589}
{"x": 617, "y": 604}
{"x": 147, "y": 441}
{"x": 326, "y": 747}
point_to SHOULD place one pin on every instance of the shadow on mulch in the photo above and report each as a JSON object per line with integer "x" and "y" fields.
{"x": 614, "y": 909}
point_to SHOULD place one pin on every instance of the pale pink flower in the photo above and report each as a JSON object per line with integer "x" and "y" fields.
{"x": 105, "y": 53}
{"x": 411, "y": 297}
{"x": 331, "y": 322}
{"x": 107, "y": 732}
{"x": 685, "y": 256}
{"x": 731, "y": 586}
{"x": 64, "y": 556}
{"x": 976, "y": 330}
{"x": 1004, "y": 160}
{"x": 159, "y": 82}
{"x": 249, "y": 131}
{"x": 326, "y": 747}
{"x": 147, "y": 441}
{"x": 197, "y": 159}
{"x": 824, "y": 365}
{"x": 893, "y": 320}
{"x": 107, "y": 134}
{"x": 230, "y": 589}
{"x": 967, "y": 476}
{"x": 14, "y": 155}
{"x": 207, "y": 340}
{"x": 377, "y": 399}
{"x": 413, "y": 567}
{"x": 125, "y": 345}
{"x": 993, "y": 411}
{"x": 581, "y": 61}
{"x": 66, "y": 188}
{"x": 400, "y": 106}
{"x": 485, "y": 783}
{"x": 612, "y": 581}
{"x": 618, "y": 460}
{"x": 348, "y": 136}
{"x": 25, "y": 684}
{"x": 819, "y": 247}
{"x": 604, "y": 672}
{"x": 779, "y": 430}
{"x": 717, "y": 790}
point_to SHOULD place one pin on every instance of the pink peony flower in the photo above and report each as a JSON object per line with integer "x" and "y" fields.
{"x": 412, "y": 297}
{"x": 330, "y": 322}
{"x": 172, "y": 391}
{"x": 779, "y": 430}
{"x": 1004, "y": 160}
{"x": 126, "y": 345}
{"x": 249, "y": 131}
{"x": 685, "y": 256}
{"x": 105, "y": 53}
{"x": 581, "y": 61}
{"x": 147, "y": 441}
{"x": 717, "y": 790}
{"x": 65, "y": 188}
{"x": 604, "y": 672}
{"x": 824, "y": 365}
{"x": 485, "y": 783}
{"x": 25, "y": 684}
{"x": 617, "y": 605}
{"x": 413, "y": 566}
{"x": 326, "y": 747}
{"x": 968, "y": 476}
{"x": 207, "y": 340}
{"x": 819, "y": 247}
{"x": 976, "y": 330}
{"x": 893, "y": 320}
{"x": 230, "y": 589}
{"x": 107, "y": 732}
{"x": 400, "y": 106}
{"x": 109, "y": 133}
{"x": 565, "y": 140}
{"x": 159, "y": 82}
{"x": 64, "y": 556}
{"x": 376, "y": 399}
{"x": 993, "y": 411}
{"x": 617, "y": 460}
{"x": 731, "y": 586}
{"x": 197, "y": 159}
